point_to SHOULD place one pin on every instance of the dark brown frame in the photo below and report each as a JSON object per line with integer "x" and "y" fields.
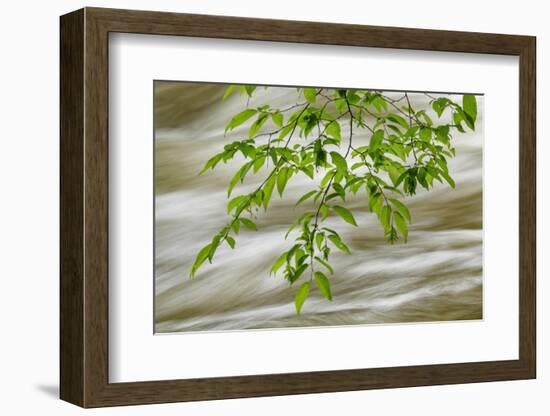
{"x": 84, "y": 207}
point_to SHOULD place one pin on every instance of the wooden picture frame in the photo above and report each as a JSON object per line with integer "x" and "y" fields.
{"x": 84, "y": 207}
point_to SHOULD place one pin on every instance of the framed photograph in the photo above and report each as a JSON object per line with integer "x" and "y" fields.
{"x": 256, "y": 207}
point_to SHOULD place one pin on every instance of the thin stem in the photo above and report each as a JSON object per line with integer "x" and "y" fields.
{"x": 291, "y": 107}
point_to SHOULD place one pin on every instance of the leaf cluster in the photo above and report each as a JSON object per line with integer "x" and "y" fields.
{"x": 409, "y": 148}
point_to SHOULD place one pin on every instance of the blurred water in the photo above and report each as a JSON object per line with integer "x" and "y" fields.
{"x": 436, "y": 276}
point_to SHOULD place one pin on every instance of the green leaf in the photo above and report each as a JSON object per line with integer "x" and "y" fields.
{"x": 306, "y": 216}
{"x": 439, "y": 105}
{"x": 212, "y": 162}
{"x": 354, "y": 184}
{"x": 231, "y": 241}
{"x": 397, "y": 119}
{"x": 278, "y": 263}
{"x": 458, "y": 118}
{"x": 339, "y": 243}
{"x": 233, "y": 182}
{"x": 286, "y": 130}
{"x": 258, "y": 163}
{"x": 277, "y": 119}
{"x": 330, "y": 230}
{"x": 345, "y": 214}
{"x": 411, "y": 131}
{"x": 469, "y": 104}
{"x": 257, "y": 198}
{"x": 376, "y": 140}
{"x": 319, "y": 239}
{"x": 323, "y": 284}
{"x": 339, "y": 190}
{"x": 299, "y": 256}
{"x": 249, "y": 89}
{"x": 310, "y": 94}
{"x": 394, "y": 173}
{"x": 426, "y": 117}
{"x": 292, "y": 251}
{"x": 236, "y": 202}
{"x": 305, "y": 197}
{"x": 425, "y": 134}
{"x": 324, "y": 263}
{"x": 323, "y": 210}
{"x": 379, "y": 103}
{"x": 467, "y": 119}
{"x": 308, "y": 127}
{"x": 257, "y": 125}
{"x": 308, "y": 170}
{"x": 301, "y": 296}
{"x": 326, "y": 179}
{"x": 298, "y": 272}
{"x": 201, "y": 257}
{"x": 339, "y": 162}
{"x": 333, "y": 130}
{"x": 442, "y": 133}
{"x": 449, "y": 180}
{"x": 235, "y": 226}
{"x": 268, "y": 190}
{"x": 248, "y": 224}
{"x": 401, "y": 225}
{"x": 282, "y": 179}
{"x": 353, "y": 97}
{"x": 241, "y": 173}
{"x": 240, "y": 118}
{"x": 247, "y": 150}
{"x": 341, "y": 105}
{"x": 410, "y": 182}
{"x": 214, "y": 246}
{"x": 375, "y": 202}
{"x": 229, "y": 91}
{"x": 402, "y": 208}
{"x": 385, "y": 217}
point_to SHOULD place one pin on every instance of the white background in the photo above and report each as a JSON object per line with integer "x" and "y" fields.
{"x": 136, "y": 355}
{"x": 29, "y": 217}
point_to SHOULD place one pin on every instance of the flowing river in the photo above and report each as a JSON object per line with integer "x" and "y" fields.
{"x": 435, "y": 276}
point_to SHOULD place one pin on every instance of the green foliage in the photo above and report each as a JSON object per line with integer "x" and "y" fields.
{"x": 240, "y": 119}
{"x": 323, "y": 284}
{"x": 408, "y": 149}
{"x": 301, "y": 296}
{"x": 345, "y": 214}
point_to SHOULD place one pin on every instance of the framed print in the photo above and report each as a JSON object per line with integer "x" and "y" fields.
{"x": 256, "y": 207}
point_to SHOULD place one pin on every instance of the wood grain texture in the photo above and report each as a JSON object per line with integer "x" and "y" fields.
{"x": 96, "y": 208}
{"x": 84, "y": 207}
{"x": 527, "y": 207}
{"x": 71, "y": 185}
{"x": 224, "y": 27}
